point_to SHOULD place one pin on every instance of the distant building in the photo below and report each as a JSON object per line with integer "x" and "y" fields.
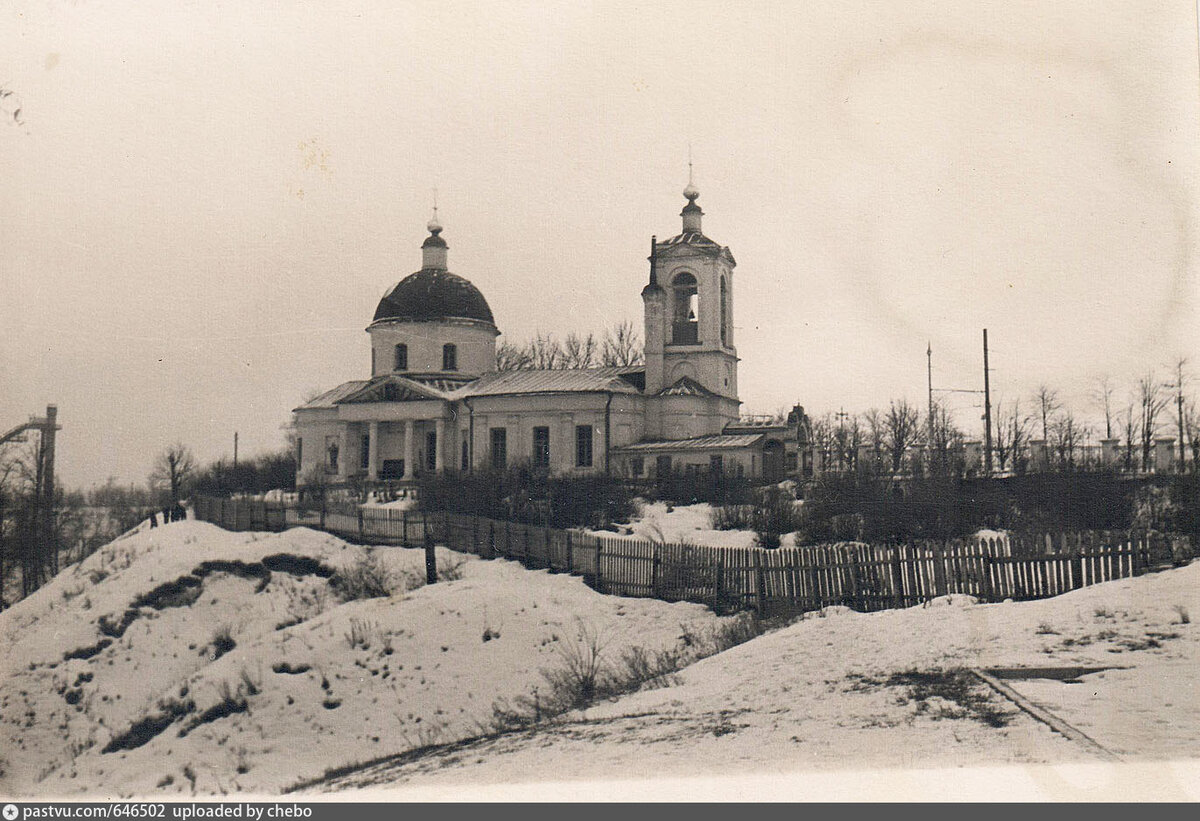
{"x": 435, "y": 401}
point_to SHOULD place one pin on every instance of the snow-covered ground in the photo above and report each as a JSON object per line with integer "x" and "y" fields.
{"x": 239, "y": 667}
{"x": 843, "y": 690}
{"x": 681, "y": 524}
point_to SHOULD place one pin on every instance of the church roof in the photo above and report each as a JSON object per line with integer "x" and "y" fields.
{"x": 330, "y": 398}
{"x": 432, "y": 294}
{"x": 686, "y": 386}
{"x": 387, "y": 388}
{"x": 696, "y": 240}
{"x": 720, "y": 441}
{"x": 582, "y": 380}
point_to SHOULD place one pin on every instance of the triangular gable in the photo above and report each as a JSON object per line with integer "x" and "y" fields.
{"x": 392, "y": 389}
{"x": 686, "y": 386}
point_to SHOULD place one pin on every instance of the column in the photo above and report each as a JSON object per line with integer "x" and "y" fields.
{"x": 373, "y": 453}
{"x": 439, "y": 462}
{"x": 410, "y": 459}
{"x": 346, "y": 454}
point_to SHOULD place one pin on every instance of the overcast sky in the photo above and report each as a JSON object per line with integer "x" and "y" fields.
{"x": 203, "y": 202}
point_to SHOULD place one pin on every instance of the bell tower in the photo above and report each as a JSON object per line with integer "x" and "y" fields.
{"x": 691, "y": 361}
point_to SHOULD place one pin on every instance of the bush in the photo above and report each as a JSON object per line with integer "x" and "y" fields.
{"x": 521, "y": 494}
{"x": 365, "y": 579}
{"x": 772, "y": 513}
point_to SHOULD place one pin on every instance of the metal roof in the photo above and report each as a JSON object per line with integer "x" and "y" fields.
{"x": 686, "y": 386}
{"x": 694, "y": 239}
{"x": 330, "y": 397}
{"x": 718, "y": 441}
{"x": 432, "y": 294}
{"x": 589, "y": 380}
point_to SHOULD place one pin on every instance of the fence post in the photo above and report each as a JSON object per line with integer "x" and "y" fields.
{"x": 430, "y": 561}
{"x": 897, "y": 579}
{"x": 570, "y": 558}
{"x": 760, "y": 591}
{"x": 719, "y": 584}
{"x": 939, "y": 569}
{"x": 599, "y": 577}
{"x": 360, "y": 522}
{"x": 655, "y": 561}
{"x": 988, "y": 591}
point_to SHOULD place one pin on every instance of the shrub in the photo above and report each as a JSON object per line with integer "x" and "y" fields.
{"x": 522, "y": 494}
{"x": 367, "y": 578}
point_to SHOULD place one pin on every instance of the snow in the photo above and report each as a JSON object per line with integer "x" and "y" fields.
{"x": 436, "y": 659}
{"x": 680, "y": 524}
{"x": 813, "y": 697}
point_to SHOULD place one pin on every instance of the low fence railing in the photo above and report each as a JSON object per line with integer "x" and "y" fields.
{"x": 864, "y": 577}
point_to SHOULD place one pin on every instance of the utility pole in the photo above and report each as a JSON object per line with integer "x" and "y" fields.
{"x": 235, "y": 450}
{"x": 987, "y": 410}
{"x": 1179, "y": 400}
{"x": 929, "y": 374}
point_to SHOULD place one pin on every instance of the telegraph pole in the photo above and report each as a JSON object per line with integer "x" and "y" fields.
{"x": 929, "y": 374}
{"x": 1179, "y": 399}
{"x": 235, "y": 450}
{"x": 987, "y": 410}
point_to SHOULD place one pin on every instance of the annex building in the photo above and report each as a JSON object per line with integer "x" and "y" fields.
{"x": 434, "y": 400}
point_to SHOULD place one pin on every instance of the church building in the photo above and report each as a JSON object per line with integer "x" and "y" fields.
{"x": 434, "y": 400}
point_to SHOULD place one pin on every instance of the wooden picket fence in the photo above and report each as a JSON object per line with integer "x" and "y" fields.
{"x": 864, "y": 577}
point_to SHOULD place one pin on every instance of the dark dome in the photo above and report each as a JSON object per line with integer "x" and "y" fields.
{"x": 434, "y": 294}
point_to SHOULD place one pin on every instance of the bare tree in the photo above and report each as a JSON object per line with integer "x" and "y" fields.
{"x": 621, "y": 347}
{"x": 1151, "y": 401}
{"x": 901, "y": 425}
{"x": 173, "y": 470}
{"x": 1129, "y": 428}
{"x": 510, "y": 357}
{"x": 1102, "y": 393}
{"x": 876, "y": 434}
{"x": 1012, "y": 433}
{"x": 1046, "y": 400}
{"x": 579, "y": 351}
{"x": 1066, "y": 437}
{"x": 946, "y": 441}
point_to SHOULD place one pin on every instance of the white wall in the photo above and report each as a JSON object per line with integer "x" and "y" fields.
{"x": 476, "y": 342}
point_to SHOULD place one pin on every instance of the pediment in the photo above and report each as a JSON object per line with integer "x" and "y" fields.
{"x": 392, "y": 389}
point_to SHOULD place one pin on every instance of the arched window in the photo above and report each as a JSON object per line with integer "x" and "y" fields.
{"x": 400, "y": 363}
{"x": 685, "y": 323}
{"x": 449, "y": 357}
{"x": 724, "y": 312}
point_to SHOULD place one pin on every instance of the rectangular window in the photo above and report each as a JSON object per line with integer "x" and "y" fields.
{"x": 299, "y": 455}
{"x": 715, "y": 464}
{"x": 499, "y": 448}
{"x": 364, "y": 453}
{"x": 466, "y": 452}
{"x": 449, "y": 358}
{"x": 583, "y": 446}
{"x": 392, "y": 469}
{"x": 400, "y": 358}
{"x": 541, "y": 447}
{"x": 637, "y": 465}
{"x": 431, "y": 450}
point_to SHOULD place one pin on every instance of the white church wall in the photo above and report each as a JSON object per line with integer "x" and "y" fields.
{"x": 475, "y": 343}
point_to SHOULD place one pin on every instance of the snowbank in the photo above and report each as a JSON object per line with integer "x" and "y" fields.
{"x": 188, "y": 658}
